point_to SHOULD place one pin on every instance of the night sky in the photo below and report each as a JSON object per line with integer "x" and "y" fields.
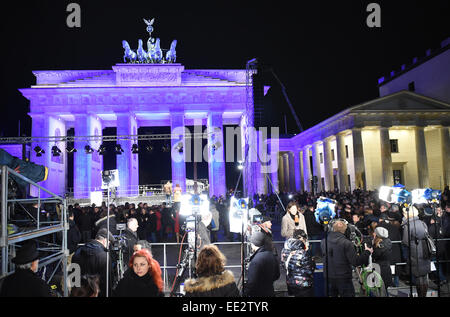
{"x": 322, "y": 51}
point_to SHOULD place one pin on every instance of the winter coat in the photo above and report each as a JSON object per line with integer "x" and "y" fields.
{"x": 220, "y": 285}
{"x": 420, "y": 256}
{"x": 73, "y": 237}
{"x": 382, "y": 256}
{"x": 341, "y": 256}
{"x": 24, "y": 283}
{"x": 85, "y": 221}
{"x": 92, "y": 260}
{"x": 288, "y": 225}
{"x": 394, "y": 234}
{"x": 132, "y": 285}
{"x": 130, "y": 240}
{"x": 435, "y": 231}
{"x": 152, "y": 222}
{"x": 314, "y": 228}
{"x": 300, "y": 267}
{"x": 263, "y": 271}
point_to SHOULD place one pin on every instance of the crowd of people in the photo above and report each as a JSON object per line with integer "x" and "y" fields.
{"x": 390, "y": 235}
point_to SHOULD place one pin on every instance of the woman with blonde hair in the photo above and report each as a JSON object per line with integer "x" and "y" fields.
{"x": 213, "y": 280}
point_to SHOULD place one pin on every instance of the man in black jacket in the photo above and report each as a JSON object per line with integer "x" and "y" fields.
{"x": 314, "y": 229}
{"x": 339, "y": 258}
{"x": 24, "y": 282}
{"x": 264, "y": 269}
{"x": 92, "y": 258}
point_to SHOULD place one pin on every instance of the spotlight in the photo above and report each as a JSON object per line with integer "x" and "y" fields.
{"x": 149, "y": 148}
{"x": 216, "y": 146}
{"x": 179, "y": 147}
{"x": 55, "y": 151}
{"x": 88, "y": 149}
{"x": 240, "y": 165}
{"x": 71, "y": 149}
{"x": 118, "y": 149}
{"x": 135, "y": 149}
{"x": 39, "y": 151}
{"x": 101, "y": 150}
{"x": 165, "y": 148}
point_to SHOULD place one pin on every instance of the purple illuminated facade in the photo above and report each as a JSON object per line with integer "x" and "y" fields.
{"x": 128, "y": 97}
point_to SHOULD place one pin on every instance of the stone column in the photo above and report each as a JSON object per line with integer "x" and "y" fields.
{"x": 358, "y": 154}
{"x": 445, "y": 145}
{"x": 316, "y": 165}
{"x": 342, "y": 162}
{"x": 291, "y": 164}
{"x": 38, "y": 129}
{"x": 87, "y": 172}
{"x": 386, "y": 159}
{"x": 328, "y": 165}
{"x": 127, "y": 162}
{"x": 274, "y": 167}
{"x": 297, "y": 171}
{"x": 421, "y": 155}
{"x": 306, "y": 169}
{"x": 216, "y": 161}
{"x": 281, "y": 180}
{"x": 177, "y": 157}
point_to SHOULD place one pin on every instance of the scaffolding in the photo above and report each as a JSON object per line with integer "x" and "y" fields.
{"x": 32, "y": 227}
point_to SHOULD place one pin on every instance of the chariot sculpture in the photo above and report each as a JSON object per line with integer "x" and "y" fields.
{"x": 154, "y": 54}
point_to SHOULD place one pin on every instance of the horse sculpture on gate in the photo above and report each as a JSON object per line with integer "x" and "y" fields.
{"x": 171, "y": 55}
{"x": 129, "y": 54}
{"x": 141, "y": 53}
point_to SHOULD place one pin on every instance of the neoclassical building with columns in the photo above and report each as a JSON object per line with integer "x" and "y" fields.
{"x": 401, "y": 137}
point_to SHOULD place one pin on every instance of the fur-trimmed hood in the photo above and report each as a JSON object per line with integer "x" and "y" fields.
{"x": 205, "y": 284}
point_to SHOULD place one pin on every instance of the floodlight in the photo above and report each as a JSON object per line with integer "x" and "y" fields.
{"x": 194, "y": 204}
{"x": 135, "y": 149}
{"x": 425, "y": 196}
{"x": 238, "y": 213}
{"x": 39, "y": 151}
{"x": 88, "y": 149}
{"x": 395, "y": 194}
{"x": 118, "y": 149}
{"x": 56, "y": 151}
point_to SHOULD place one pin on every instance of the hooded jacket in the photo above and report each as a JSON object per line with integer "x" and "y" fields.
{"x": 341, "y": 256}
{"x": 220, "y": 285}
{"x": 300, "y": 267}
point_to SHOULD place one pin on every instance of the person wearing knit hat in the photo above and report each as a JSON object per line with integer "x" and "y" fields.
{"x": 382, "y": 253}
{"x": 263, "y": 270}
{"x": 24, "y": 282}
{"x": 382, "y": 232}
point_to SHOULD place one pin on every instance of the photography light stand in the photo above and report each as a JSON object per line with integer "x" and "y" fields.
{"x": 437, "y": 248}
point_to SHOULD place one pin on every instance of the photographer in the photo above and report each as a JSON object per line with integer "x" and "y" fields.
{"x": 340, "y": 259}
